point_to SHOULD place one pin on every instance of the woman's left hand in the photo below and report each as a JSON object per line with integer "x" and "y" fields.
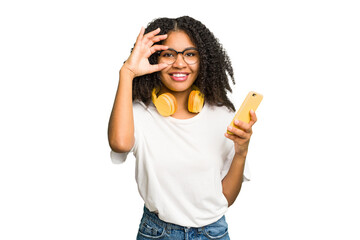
{"x": 242, "y": 134}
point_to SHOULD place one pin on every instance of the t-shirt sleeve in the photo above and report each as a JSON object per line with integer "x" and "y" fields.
{"x": 227, "y": 164}
{"x": 118, "y": 158}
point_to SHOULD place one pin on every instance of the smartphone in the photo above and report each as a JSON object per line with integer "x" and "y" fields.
{"x": 251, "y": 101}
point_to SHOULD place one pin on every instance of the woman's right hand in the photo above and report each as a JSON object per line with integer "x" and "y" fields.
{"x": 138, "y": 61}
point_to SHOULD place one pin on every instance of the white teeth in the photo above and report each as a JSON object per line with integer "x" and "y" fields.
{"x": 179, "y": 75}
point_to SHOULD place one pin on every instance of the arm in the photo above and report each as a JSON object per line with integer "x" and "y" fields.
{"x": 121, "y": 124}
{"x": 233, "y": 180}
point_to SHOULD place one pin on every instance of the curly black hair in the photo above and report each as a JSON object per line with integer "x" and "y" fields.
{"x": 215, "y": 64}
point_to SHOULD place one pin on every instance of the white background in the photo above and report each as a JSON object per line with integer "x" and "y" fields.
{"x": 59, "y": 63}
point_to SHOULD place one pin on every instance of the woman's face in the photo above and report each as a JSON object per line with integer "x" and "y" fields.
{"x": 179, "y": 76}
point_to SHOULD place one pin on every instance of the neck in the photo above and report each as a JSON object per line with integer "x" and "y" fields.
{"x": 181, "y": 97}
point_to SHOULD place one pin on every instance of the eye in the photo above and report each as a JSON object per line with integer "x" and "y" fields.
{"x": 191, "y": 53}
{"x": 167, "y": 54}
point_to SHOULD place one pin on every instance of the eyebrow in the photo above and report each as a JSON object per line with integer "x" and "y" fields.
{"x": 189, "y": 48}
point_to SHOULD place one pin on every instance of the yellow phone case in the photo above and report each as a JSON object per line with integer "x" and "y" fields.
{"x": 251, "y": 101}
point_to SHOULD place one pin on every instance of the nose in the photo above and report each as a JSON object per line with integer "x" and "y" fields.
{"x": 179, "y": 62}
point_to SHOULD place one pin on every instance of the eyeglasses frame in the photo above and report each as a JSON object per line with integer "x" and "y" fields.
{"x": 182, "y": 53}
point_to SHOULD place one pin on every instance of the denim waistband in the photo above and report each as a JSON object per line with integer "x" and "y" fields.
{"x": 154, "y": 217}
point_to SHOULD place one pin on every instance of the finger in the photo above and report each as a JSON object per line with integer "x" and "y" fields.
{"x": 155, "y": 39}
{"x": 238, "y": 132}
{"x": 242, "y": 125}
{"x": 141, "y": 34}
{"x": 159, "y": 38}
{"x": 229, "y": 136}
{"x": 253, "y": 117}
{"x": 156, "y": 48}
{"x": 233, "y": 137}
{"x": 151, "y": 34}
{"x": 158, "y": 67}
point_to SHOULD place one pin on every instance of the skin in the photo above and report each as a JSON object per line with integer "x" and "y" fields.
{"x": 233, "y": 180}
{"x": 121, "y": 123}
{"x": 179, "y": 40}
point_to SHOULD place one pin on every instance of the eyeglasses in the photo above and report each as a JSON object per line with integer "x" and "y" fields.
{"x": 169, "y": 56}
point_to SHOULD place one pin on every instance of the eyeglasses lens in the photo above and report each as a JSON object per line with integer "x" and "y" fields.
{"x": 190, "y": 56}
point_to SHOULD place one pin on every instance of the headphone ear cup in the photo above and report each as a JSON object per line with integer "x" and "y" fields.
{"x": 166, "y": 104}
{"x": 196, "y": 101}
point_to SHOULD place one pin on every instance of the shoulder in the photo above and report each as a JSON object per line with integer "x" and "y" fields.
{"x": 220, "y": 111}
{"x": 140, "y": 107}
{"x": 143, "y": 112}
{"x": 219, "y": 116}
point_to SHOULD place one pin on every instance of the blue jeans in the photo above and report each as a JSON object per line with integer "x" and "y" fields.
{"x": 151, "y": 227}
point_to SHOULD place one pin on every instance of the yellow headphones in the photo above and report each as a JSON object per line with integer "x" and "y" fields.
{"x": 166, "y": 103}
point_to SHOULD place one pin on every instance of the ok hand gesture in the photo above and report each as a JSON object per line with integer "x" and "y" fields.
{"x": 138, "y": 61}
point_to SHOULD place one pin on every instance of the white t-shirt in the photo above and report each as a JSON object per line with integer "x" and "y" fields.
{"x": 180, "y": 163}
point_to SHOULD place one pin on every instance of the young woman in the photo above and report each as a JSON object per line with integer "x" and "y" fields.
{"x": 171, "y": 110}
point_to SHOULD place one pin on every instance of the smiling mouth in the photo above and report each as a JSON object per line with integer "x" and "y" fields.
{"x": 179, "y": 76}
